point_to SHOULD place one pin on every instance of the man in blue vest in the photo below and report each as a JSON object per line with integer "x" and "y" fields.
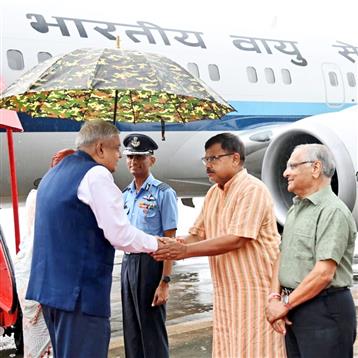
{"x": 79, "y": 222}
{"x": 152, "y": 207}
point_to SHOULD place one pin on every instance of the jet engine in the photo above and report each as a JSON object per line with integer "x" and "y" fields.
{"x": 336, "y": 130}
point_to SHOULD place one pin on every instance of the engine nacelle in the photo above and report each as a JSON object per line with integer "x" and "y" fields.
{"x": 339, "y": 132}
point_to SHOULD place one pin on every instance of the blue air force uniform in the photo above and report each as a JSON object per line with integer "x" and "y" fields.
{"x": 153, "y": 209}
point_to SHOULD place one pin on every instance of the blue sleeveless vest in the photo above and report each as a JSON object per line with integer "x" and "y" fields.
{"x": 72, "y": 261}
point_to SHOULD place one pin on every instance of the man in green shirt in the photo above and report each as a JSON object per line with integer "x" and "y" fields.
{"x": 314, "y": 269}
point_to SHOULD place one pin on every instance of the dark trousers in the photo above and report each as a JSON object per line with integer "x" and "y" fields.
{"x": 144, "y": 331}
{"x": 322, "y": 327}
{"x": 77, "y": 335}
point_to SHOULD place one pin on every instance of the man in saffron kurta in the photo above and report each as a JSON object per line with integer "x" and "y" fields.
{"x": 237, "y": 228}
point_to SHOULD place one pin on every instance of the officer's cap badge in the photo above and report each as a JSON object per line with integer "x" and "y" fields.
{"x": 135, "y": 142}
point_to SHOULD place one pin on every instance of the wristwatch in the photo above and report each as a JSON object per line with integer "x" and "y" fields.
{"x": 166, "y": 279}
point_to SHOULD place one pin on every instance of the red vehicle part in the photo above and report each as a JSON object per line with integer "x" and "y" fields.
{"x": 8, "y": 297}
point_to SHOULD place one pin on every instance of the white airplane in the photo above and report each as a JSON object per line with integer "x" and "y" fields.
{"x": 272, "y": 80}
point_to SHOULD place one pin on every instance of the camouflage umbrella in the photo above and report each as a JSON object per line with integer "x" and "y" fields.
{"x": 115, "y": 85}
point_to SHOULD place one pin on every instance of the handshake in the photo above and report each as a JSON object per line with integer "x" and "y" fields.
{"x": 170, "y": 249}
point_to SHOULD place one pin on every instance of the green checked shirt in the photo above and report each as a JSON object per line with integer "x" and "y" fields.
{"x": 319, "y": 227}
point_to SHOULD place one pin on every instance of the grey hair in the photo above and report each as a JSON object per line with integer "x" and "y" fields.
{"x": 321, "y": 153}
{"x": 92, "y": 131}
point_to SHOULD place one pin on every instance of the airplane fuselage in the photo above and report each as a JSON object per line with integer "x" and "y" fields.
{"x": 270, "y": 79}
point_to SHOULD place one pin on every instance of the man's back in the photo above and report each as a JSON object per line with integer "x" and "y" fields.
{"x": 68, "y": 263}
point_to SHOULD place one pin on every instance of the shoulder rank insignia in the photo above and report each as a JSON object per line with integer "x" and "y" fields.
{"x": 163, "y": 186}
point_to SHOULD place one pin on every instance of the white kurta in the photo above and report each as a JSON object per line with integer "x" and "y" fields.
{"x": 37, "y": 341}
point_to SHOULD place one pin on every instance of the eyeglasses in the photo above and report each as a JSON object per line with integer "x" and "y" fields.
{"x": 295, "y": 165}
{"x": 214, "y": 158}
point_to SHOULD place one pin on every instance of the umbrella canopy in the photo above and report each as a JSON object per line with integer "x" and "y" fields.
{"x": 115, "y": 85}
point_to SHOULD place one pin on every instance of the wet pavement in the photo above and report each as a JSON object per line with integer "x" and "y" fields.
{"x": 189, "y": 312}
{"x": 186, "y": 340}
{"x": 190, "y": 293}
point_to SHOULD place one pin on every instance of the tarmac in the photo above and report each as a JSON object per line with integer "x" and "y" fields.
{"x": 189, "y": 311}
{"x": 192, "y": 338}
{"x": 189, "y": 324}
{"x": 189, "y": 337}
{"x": 186, "y": 340}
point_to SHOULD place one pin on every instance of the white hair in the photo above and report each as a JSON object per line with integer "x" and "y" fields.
{"x": 93, "y": 131}
{"x": 321, "y": 153}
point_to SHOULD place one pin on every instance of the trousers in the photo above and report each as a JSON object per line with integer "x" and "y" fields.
{"x": 145, "y": 335}
{"x": 77, "y": 335}
{"x": 324, "y": 326}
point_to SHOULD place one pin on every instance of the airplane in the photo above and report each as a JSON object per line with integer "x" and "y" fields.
{"x": 272, "y": 80}
{"x": 286, "y": 89}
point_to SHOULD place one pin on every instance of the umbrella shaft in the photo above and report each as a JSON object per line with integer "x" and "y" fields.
{"x": 15, "y": 204}
{"x": 115, "y": 107}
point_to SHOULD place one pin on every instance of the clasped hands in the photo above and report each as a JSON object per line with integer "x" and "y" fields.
{"x": 276, "y": 314}
{"x": 170, "y": 249}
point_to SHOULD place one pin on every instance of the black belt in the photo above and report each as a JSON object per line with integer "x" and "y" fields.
{"x": 327, "y": 291}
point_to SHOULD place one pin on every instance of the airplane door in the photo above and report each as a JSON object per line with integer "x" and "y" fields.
{"x": 333, "y": 83}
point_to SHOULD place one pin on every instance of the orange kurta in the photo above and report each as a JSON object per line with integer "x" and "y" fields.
{"x": 241, "y": 277}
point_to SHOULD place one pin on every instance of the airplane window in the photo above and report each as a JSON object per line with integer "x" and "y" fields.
{"x": 351, "y": 79}
{"x": 251, "y": 74}
{"x": 214, "y": 72}
{"x": 286, "y": 76}
{"x": 43, "y": 56}
{"x": 333, "y": 79}
{"x": 269, "y": 75}
{"x": 15, "y": 60}
{"x": 193, "y": 69}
